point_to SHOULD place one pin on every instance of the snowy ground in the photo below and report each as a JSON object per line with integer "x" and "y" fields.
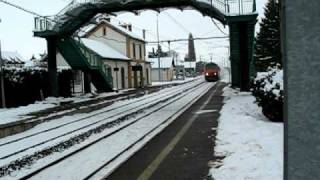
{"x": 135, "y": 130}
{"x": 174, "y": 81}
{"x": 252, "y": 145}
{"x": 16, "y": 114}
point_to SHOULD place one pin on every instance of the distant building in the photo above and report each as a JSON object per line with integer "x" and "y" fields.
{"x": 167, "y": 69}
{"x": 190, "y": 69}
{"x": 12, "y": 59}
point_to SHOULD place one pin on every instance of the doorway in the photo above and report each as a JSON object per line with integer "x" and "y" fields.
{"x": 123, "y": 84}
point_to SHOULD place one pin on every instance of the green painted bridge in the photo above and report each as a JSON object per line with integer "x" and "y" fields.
{"x": 239, "y": 15}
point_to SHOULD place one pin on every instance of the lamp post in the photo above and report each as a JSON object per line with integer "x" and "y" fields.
{"x": 116, "y": 69}
{"x": 3, "y": 98}
{"x": 211, "y": 56}
{"x": 159, "y": 49}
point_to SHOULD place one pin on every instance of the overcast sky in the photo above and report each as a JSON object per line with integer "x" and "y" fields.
{"x": 16, "y": 28}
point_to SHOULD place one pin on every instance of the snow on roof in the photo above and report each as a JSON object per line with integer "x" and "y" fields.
{"x": 116, "y": 26}
{"x": 103, "y": 49}
{"x": 189, "y": 64}
{"x": 126, "y": 31}
{"x": 30, "y": 63}
{"x": 83, "y": 31}
{"x": 13, "y": 57}
{"x": 165, "y": 62}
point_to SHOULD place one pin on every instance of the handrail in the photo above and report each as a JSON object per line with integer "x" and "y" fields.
{"x": 48, "y": 23}
{"x": 230, "y": 7}
{"x": 227, "y": 7}
{"x": 95, "y": 61}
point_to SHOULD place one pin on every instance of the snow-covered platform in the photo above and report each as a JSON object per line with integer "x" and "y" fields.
{"x": 250, "y": 145}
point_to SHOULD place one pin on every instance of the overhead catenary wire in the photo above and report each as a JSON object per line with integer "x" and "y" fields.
{"x": 199, "y": 38}
{"x": 20, "y": 8}
{"x": 177, "y": 22}
{"x": 218, "y": 27}
{"x": 36, "y": 14}
{"x": 149, "y": 42}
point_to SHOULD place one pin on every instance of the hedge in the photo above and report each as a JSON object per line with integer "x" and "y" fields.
{"x": 24, "y": 86}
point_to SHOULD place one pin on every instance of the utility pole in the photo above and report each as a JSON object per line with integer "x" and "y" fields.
{"x": 3, "y": 98}
{"x": 211, "y": 56}
{"x": 159, "y": 50}
{"x": 117, "y": 70}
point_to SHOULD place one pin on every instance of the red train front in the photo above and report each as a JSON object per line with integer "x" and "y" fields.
{"x": 212, "y": 72}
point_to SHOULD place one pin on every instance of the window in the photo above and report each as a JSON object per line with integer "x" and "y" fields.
{"x": 134, "y": 50}
{"x": 104, "y": 31}
{"x": 140, "y": 51}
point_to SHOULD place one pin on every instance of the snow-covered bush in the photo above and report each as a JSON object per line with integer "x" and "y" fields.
{"x": 27, "y": 85}
{"x": 268, "y": 90}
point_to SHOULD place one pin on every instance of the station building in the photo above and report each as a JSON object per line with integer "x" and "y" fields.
{"x": 120, "y": 48}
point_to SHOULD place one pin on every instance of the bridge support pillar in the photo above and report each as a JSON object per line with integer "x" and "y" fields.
{"x": 52, "y": 66}
{"x": 87, "y": 82}
{"x": 242, "y": 29}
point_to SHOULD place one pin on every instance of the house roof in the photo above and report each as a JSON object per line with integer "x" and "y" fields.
{"x": 12, "y": 57}
{"x": 125, "y": 31}
{"x": 117, "y": 27}
{"x": 103, "y": 50}
{"x": 86, "y": 29}
{"x": 165, "y": 62}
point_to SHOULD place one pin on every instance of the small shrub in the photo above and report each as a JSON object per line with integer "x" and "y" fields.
{"x": 268, "y": 90}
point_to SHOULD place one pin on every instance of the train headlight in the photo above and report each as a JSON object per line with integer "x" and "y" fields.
{"x": 207, "y": 74}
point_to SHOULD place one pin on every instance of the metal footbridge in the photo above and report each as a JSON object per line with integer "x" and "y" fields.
{"x": 59, "y": 31}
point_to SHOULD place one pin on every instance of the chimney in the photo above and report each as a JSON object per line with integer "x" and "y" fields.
{"x": 143, "y": 33}
{"x": 124, "y": 25}
{"x": 129, "y": 27}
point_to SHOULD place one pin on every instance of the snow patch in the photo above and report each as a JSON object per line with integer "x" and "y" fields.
{"x": 272, "y": 81}
{"x": 252, "y": 146}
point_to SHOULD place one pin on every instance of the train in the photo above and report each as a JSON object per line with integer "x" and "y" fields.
{"x": 212, "y": 72}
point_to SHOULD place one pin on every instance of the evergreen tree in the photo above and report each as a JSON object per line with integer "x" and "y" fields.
{"x": 268, "y": 47}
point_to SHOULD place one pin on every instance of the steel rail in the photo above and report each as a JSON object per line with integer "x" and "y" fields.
{"x": 169, "y": 100}
{"x": 94, "y": 123}
{"x": 84, "y": 118}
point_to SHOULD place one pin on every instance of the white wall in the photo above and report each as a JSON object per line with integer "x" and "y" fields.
{"x": 119, "y": 42}
{"x": 61, "y": 62}
{"x": 120, "y": 64}
{"x": 166, "y": 74}
{"x": 137, "y": 44}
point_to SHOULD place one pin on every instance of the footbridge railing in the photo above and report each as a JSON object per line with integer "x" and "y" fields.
{"x": 226, "y": 7}
{"x": 49, "y": 23}
{"x": 233, "y": 7}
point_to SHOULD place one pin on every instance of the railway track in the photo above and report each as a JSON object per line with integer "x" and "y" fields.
{"x": 118, "y": 120}
{"x": 35, "y": 118}
{"x": 112, "y": 115}
{"x": 85, "y": 150}
{"x": 92, "y": 115}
